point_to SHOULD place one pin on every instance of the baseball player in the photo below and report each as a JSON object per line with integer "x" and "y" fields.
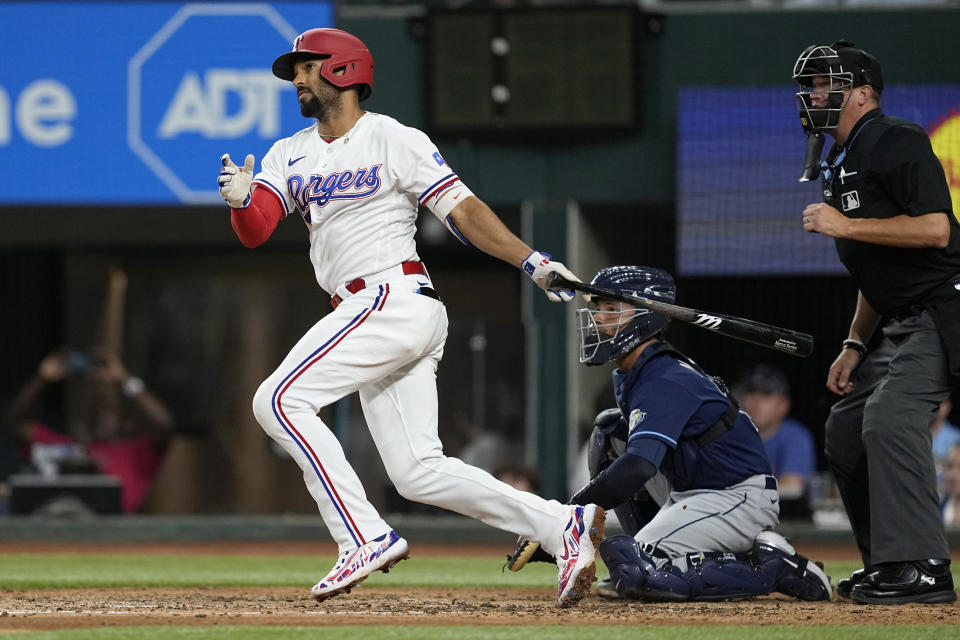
{"x": 356, "y": 179}
{"x": 712, "y": 538}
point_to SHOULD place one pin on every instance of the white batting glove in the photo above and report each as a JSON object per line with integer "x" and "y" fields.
{"x": 539, "y": 267}
{"x": 235, "y": 181}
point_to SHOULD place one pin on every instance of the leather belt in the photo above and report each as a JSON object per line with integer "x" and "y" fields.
{"x": 408, "y": 268}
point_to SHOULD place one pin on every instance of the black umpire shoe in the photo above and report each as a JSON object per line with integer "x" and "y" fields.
{"x": 845, "y": 585}
{"x": 901, "y": 582}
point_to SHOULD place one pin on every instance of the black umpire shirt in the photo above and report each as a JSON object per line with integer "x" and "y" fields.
{"x": 888, "y": 168}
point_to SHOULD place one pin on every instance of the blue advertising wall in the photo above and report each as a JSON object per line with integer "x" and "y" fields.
{"x": 135, "y": 103}
{"x": 739, "y": 156}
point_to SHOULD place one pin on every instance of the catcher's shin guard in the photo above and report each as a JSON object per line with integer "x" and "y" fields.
{"x": 789, "y": 572}
{"x": 526, "y": 551}
{"x": 716, "y": 576}
{"x": 709, "y": 576}
{"x": 635, "y": 574}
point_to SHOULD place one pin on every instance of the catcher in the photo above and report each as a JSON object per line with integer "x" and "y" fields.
{"x": 683, "y": 468}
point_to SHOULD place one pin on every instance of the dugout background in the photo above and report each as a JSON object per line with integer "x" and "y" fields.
{"x": 207, "y": 319}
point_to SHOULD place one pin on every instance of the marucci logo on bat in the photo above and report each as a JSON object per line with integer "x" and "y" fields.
{"x": 707, "y": 321}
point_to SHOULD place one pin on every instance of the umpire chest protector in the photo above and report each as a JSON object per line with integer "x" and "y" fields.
{"x": 886, "y": 169}
{"x": 848, "y": 185}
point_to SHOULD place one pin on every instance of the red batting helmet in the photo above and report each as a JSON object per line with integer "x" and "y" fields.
{"x": 340, "y": 50}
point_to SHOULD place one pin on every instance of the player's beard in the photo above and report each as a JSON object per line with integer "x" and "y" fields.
{"x": 320, "y": 107}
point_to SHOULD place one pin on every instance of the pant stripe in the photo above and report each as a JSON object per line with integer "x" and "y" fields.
{"x": 693, "y": 522}
{"x": 288, "y": 426}
{"x": 385, "y": 290}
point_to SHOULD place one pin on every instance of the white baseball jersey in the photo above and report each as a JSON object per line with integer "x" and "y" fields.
{"x": 359, "y": 194}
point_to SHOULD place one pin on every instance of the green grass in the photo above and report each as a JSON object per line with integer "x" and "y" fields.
{"x": 83, "y": 570}
{"x": 43, "y": 571}
{"x": 495, "y": 633}
{"x": 95, "y": 570}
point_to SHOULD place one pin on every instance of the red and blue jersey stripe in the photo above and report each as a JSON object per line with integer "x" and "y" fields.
{"x": 438, "y": 187}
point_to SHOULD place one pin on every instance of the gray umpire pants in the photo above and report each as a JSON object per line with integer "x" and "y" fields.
{"x": 878, "y": 445}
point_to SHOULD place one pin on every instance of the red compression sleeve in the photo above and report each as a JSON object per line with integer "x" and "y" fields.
{"x": 254, "y": 224}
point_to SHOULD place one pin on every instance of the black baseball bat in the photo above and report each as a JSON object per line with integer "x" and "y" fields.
{"x": 765, "y": 335}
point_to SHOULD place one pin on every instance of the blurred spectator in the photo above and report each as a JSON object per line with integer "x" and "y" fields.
{"x": 950, "y": 488}
{"x": 944, "y": 434}
{"x": 519, "y": 478}
{"x": 121, "y": 429}
{"x": 764, "y": 393}
{"x": 488, "y": 450}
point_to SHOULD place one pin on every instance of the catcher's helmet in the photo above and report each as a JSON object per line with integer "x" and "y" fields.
{"x": 600, "y": 343}
{"x": 340, "y": 50}
{"x": 844, "y": 67}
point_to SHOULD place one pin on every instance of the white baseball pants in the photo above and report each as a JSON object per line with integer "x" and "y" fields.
{"x": 386, "y": 341}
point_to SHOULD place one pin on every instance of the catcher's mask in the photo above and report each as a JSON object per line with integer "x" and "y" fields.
{"x": 610, "y": 329}
{"x": 347, "y": 61}
{"x": 827, "y": 73}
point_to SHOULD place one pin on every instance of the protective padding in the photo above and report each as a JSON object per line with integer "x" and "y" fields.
{"x": 710, "y": 577}
{"x": 791, "y": 574}
{"x": 724, "y": 576}
{"x": 348, "y": 61}
{"x": 608, "y": 424}
{"x": 634, "y": 325}
{"x": 635, "y": 574}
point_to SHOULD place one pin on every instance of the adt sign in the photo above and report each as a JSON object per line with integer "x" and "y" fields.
{"x": 202, "y": 86}
{"x": 142, "y": 97}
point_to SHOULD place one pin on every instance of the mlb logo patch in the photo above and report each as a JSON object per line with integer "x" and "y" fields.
{"x": 850, "y": 200}
{"x": 636, "y": 417}
{"x": 439, "y": 159}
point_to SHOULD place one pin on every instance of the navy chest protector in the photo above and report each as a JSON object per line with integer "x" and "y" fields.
{"x": 681, "y": 462}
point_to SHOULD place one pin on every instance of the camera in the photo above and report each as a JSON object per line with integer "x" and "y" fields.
{"x": 79, "y": 362}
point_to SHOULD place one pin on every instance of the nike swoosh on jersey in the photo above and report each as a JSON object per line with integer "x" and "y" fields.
{"x": 292, "y": 161}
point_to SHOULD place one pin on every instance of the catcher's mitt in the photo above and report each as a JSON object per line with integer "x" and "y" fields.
{"x": 526, "y": 551}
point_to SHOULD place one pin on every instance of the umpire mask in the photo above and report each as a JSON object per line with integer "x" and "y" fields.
{"x": 610, "y": 329}
{"x": 823, "y": 79}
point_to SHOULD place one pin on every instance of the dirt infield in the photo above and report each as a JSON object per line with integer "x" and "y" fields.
{"x": 36, "y": 610}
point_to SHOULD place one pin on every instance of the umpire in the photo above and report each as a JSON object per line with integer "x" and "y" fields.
{"x": 887, "y": 205}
